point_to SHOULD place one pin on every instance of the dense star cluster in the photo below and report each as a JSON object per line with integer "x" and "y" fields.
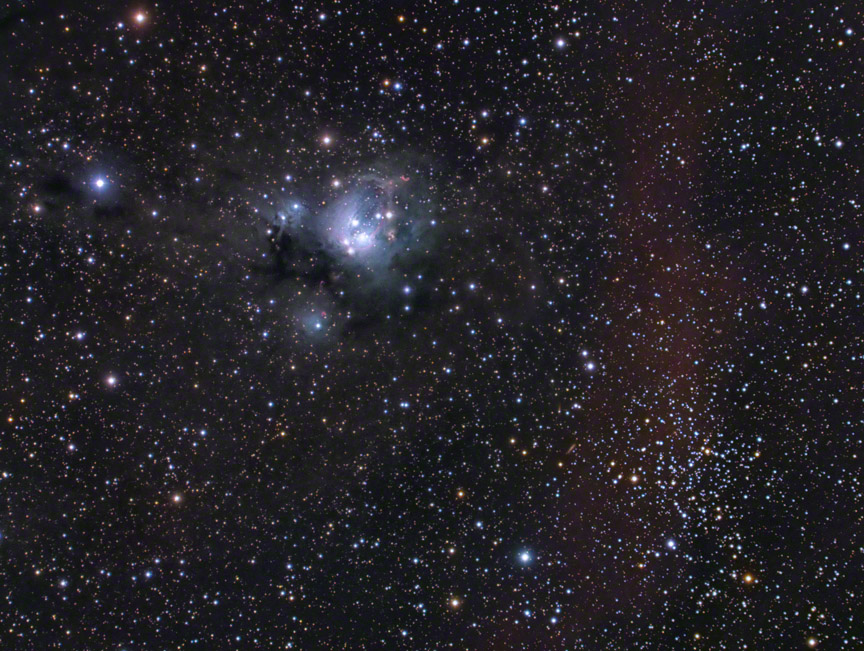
{"x": 435, "y": 325}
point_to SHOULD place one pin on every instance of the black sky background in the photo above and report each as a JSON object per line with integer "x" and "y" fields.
{"x": 620, "y": 409}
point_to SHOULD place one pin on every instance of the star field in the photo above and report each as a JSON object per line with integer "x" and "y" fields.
{"x": 438, "y": 325}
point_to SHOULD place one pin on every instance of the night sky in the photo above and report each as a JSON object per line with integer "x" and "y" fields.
{"x": 432, "y": 325}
